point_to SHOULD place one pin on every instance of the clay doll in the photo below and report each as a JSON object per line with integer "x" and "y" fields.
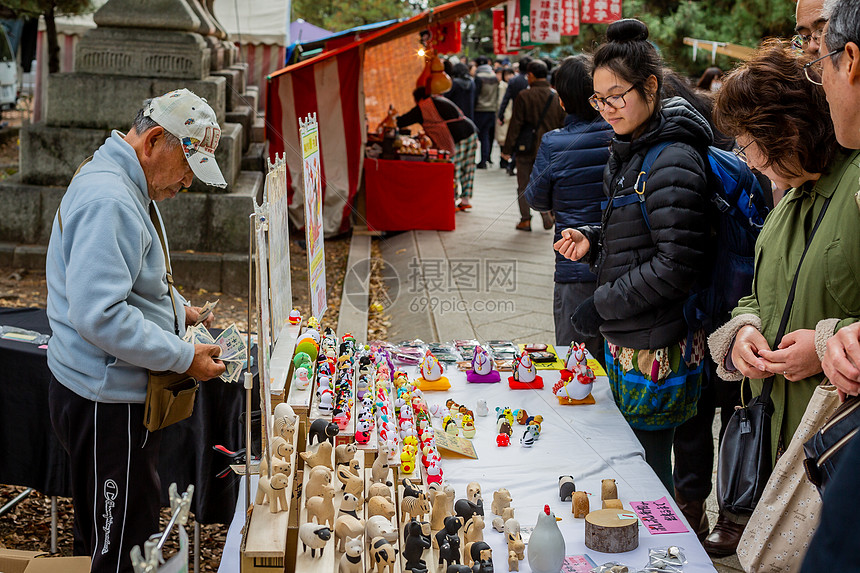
{"x": 482, "y": 368}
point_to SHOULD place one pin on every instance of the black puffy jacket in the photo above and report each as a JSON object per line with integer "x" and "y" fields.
{"x": 645, "y": 276}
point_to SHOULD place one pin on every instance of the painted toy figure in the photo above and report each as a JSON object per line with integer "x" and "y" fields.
{"x": 295, "y": 317}
{"x": 525, "y": 374}
{"x": 577, "y": 379}
{"x": 431, "y": 374}
{"x": 483, "y": 370}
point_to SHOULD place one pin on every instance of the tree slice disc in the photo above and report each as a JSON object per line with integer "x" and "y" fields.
{"x": 608, "y": 533}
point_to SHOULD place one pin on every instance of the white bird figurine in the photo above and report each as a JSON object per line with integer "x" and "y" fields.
{"x": 546, "y": 544}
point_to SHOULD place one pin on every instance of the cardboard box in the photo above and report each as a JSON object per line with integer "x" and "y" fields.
{"x": 18, "y": 561}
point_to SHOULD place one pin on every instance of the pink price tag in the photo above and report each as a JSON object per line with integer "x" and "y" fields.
{"x": 577, "y": 564}
{"x": 658, "y": 516}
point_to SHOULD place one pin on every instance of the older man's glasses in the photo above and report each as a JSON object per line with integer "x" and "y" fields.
{"x": 800, "y": 41}
{"x": 813, "y": 69}
{"x": 613, "y": 101}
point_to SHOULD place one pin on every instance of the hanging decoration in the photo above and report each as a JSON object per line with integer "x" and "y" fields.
{"x": 569, "y": 17}
{"x": 512, "y": 13}
{"x": 446, "y": 38}
{"x": 499, "y": 33}
{"x": 600, "y": 11}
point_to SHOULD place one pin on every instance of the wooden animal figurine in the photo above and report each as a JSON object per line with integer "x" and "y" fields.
{"x": 473, "y": 492}
{"x": 383, "y": 555}
{"x": 465, "y": 509}
{"x": 409, "y": 490}
{"x": 318, "y": 478}
{"x": 380, "y": 526}
{"x": 566, "y": 487}
{"x": 580, "y": 506}
{"x": 378, "y": 505}
{"x": 350, "y": 561}
{"x": 481, "y": 556}
{"x": 414, "y": 506}
{"x": 612, "y": 504}
{"x": 608, "y": 489}
{"x": 351, "y": 483}
{"x": 415, "y": 542}
{"x": 458, "y": 568}
{"x": 513, "y": 562}
{"x": 344, "y": 453}
{"x": 345, "y": 527}
{"x": 321, "y": 430}
{"x": 283, "y": 428}
{"x": 501, "y": 499}
{"x": 279, "y": 466}
{"x": 314, "y": 536}
{"x": 514, "y": 538}
{"x": 499, "y": 522}
{"x": 379, "y": 489}
{"x": 273, "y": 491}
{"x": 348, "y": 506}
{"x": 284, "y": 412}
{"x": 380, "y": 469}
{"x": 474, "y": 529}
{"x": 319, "y": 457}
{"x": 442, "y": 507}
{"x": 448, "y": 541}
{"x": 353, "y": 465}
{"x": 282, "y": 448}
{"x": 321, "y": 507}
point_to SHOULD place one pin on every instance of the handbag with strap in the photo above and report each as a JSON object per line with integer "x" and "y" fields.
{"x": 527, "y": 138}
{"x": 788, "y": 499}
{"x": 824, "y": 448}
{"x": 744, "y": 464}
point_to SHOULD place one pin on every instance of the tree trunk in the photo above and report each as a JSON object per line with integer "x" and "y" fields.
{"x": 53, "y": 44}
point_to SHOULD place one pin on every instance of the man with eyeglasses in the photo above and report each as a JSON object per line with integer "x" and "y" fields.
{"x": 810, "y": 24}
{"x": 839, "y": 69}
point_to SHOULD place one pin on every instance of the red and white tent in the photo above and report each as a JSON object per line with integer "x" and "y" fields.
{"x": 332, "y": 85}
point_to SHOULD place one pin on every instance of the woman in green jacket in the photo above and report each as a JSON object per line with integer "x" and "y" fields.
{"x": 781, "y": 122}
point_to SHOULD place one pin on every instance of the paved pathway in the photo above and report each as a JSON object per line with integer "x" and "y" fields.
{"x": 485, "y": 280}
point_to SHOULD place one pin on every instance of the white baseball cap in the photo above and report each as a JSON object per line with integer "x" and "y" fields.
{"x": 189, "y": 118}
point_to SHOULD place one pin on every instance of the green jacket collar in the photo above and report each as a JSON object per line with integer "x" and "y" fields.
{"x": 828, "y": 183}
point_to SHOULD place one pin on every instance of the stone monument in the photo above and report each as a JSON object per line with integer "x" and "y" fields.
{"x": 141, "y": 49}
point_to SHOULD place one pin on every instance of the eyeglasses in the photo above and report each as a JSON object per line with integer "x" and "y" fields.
{"x": 739, "y": 152}
{"x": 802, "y": 40}
{"x": 613, "y": 101}
{"x": 816, "y": 66}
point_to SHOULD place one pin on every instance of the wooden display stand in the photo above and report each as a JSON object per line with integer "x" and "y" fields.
{"x": 607, "y": 532}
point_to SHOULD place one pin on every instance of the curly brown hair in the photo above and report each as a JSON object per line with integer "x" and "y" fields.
{"x": 769, "y": 98}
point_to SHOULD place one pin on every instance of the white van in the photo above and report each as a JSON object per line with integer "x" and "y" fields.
{"x": 8, "y": 74}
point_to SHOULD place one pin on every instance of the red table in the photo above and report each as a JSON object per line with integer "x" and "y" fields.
{"x": 409, "y": 195}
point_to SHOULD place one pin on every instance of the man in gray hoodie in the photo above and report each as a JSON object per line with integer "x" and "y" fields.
{"x": 486, "y": 107}
{"x": 115, "y": 315}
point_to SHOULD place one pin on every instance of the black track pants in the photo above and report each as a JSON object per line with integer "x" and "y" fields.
{"x": 115, "y": 487}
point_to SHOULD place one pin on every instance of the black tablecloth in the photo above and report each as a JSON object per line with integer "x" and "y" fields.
{"x": 30, "y": 454}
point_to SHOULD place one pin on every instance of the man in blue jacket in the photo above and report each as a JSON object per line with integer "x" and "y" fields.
{"x": 115, "y": 316}
{"x": 567, "y": 179}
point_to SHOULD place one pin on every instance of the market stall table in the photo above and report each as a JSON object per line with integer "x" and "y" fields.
{"x": 33, "y": 457}
{"x": 590, "y": 442}
{"x": 409, "y": 195}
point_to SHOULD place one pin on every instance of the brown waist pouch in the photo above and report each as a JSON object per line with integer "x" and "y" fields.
{"x": 169, "y": 399}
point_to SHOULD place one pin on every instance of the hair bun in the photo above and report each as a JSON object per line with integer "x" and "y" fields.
{"x": 627, "y": 30}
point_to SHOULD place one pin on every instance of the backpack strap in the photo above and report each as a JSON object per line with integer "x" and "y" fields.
{"x": 639, "y": 187}
{"x": 156, "y": 222}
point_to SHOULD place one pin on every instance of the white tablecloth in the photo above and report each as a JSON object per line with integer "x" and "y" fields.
{"x": 590, "y": 443}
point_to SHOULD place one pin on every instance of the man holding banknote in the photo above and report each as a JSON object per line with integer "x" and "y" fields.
{"x": 116, "y": 318}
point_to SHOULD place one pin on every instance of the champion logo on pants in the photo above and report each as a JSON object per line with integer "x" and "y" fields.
{"x": 110, "y": 490}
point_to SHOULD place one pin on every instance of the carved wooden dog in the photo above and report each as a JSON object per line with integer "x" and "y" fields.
{"x": 347, "y": 526}
{"x": 350, "y": 562}
{"x": 273, "y": 492}
{"x": 383, "y": 555}
{"x": 318, "y": 478}
{"x": 414, "y": 506}
{"x": 514, "y": 538}
{"x": 501, "y": 500}
{"x": 321, "y": 507}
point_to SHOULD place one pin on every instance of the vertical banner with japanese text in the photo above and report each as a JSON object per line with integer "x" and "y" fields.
{"x": 513, "y": 14}
{"x": 499, "y": 44}
{"x": 545, "y": 22}
{"x": 446, "y": 37}
{"x": 309, "y": 133}
{"x": 525, "y": 23}
{"x": 600, "y": 11}
{"x": 569, "y": 17}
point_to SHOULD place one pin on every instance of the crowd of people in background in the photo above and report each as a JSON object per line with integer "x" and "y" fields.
{"x": 624, "y": 269}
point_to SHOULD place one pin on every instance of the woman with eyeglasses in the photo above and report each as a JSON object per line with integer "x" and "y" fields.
{"x": 781, "y": 121}
{"x": 651, "y": 247}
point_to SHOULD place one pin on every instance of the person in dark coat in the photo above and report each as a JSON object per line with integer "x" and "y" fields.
{"x": 646, "y": 269}
{"x": 567, "y": 180}
{"x": 528, "y": 111}
{"x": 516, "y": 84}
{"x": 462, "y": 91}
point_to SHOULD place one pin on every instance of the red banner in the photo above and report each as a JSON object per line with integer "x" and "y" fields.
{"x": 513, "y": 14}
{"x": 546, "y": 21}
{"x": 499, "y": 32}
{"x": 569, "y": 17}
{"x": 600, "y": 11}
{"x": 446, "y": 37}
